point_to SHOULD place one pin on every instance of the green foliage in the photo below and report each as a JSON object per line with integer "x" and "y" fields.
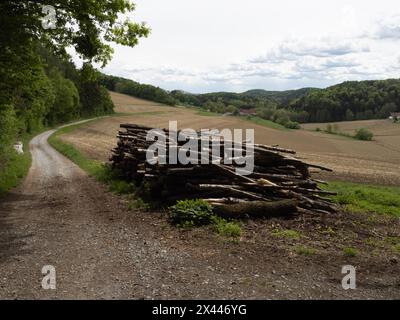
{"x": 94, "y": 97}
{"x": 102, "y": 172}
{"x": 39, "y": 83}
{"x": 138, "y": 204}
{"x": 292, "y": 125}
{"x": 136, "y": 89}
{"x": 350, "y": 101}
{"x": 306, "y": 251}
{"x": 93, "y": 168}
{"x": 366, "y": 198}
{"x": 66, "y": 106}
{"x": 188, "y": 213}
{"x": 14, "y": 166}
{"x": 225, "y": 228}
{"x": 286, "y": 233}
{"x": 265, "y": 123}
{"x": 121, "y": 187}
{"x": 279, "y": 97}
{"x": 8, "y": 130}
{"x": 86, "y": 26}
{"x": 364, "y": 134}
{"x": 350, "y": 252}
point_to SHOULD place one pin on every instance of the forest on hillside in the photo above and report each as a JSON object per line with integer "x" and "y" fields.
{"x": 40, "y": 86}
{"x": 348, "y": 101}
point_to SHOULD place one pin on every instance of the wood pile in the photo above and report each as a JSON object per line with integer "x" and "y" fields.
{"x": 280, "y": 183}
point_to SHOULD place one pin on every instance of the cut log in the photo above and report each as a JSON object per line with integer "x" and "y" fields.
{"x": 256, "y": 209}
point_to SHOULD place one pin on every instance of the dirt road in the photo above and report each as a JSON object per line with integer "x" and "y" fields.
{"x": 100, "y": 249}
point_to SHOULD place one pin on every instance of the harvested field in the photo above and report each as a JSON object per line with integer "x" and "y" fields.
{"x": 358, "y": 161}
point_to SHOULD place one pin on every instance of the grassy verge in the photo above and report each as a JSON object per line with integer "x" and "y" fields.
{"x": 92, "y": 167}
{"x": 16, "y": 167}
{"x": 361, "y": 134}
{"x": 361, "y": 198}
{"x": 264, "y": 122}
{"x": 95, "y": 168}
{"x": 206, "y": 113}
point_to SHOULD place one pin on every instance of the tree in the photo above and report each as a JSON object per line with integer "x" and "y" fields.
{"x": 387, "y": 109}
{"x": 30, "y": 53}
{"x": 86, "y": 25}
{"x": 66, "y": 104}
{"x": 349, "y": 115}
{"x": 8, "y": 129}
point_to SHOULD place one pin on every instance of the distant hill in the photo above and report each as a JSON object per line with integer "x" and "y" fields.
{"x": 282, "y": 97}
{"x": 351, "y": 100}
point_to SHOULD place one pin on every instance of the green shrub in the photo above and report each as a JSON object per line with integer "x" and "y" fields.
{"x": 305, "y": 251}
{"x": 225, "y": 228}
{"x": 138, "y": 203}
{"x": 364, "y": 134}
{"x": 122, "y": 187}
{"x": 292, "y": 125}
{"x": 188, "y": 213}
{"x": 350, "y": 252}
{"x": 286, "y": 233}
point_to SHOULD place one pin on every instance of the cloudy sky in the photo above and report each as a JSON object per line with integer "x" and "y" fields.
{"x": 234, "y": 45}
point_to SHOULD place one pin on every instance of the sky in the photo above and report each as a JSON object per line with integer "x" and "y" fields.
{"x": 233, "y": 45}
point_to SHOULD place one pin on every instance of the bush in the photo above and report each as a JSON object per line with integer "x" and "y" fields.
{"x": 227, "y": 229}
{"x": 292, "y": 125}
{"x": 364, "y": 134}
{"x": 189, "y": 213}
{"x": 350, "y": 252}
{"x": 286, "y": 233}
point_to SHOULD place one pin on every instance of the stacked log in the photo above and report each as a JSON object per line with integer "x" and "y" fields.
{"x": 279, "y": 183}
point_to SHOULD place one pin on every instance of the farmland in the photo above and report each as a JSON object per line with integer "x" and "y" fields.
{"x": 373, "y": 162}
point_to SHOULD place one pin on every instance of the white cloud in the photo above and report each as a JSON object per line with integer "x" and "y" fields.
{"x": 319, "y": 48}
{"x": 388, "y": 28}
{"x": 230, "y": 45}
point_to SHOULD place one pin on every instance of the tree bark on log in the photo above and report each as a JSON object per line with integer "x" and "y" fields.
{"x": 256, "y": 209}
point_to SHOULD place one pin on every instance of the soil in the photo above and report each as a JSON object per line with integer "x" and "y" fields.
{"x": 102, "y": 250}
{"x": 375, "y": 162}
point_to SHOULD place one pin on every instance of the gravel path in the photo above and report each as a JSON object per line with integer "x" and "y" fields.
{"x": 100, "y": 249}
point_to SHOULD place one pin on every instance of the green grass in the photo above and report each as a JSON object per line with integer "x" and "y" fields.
{"x": 305, "y": 251}
{"x": 227, "y": 229}
{"x": 360, "y": 134}
{"x": 197, "y": 212}
{"x": 206, "y": 113}
{"x": 190, "y": 213}
{"x": 264, "y": 123}
{"x": 286, "y": 233}
{"x": 16, "y": 166}
{"x": 360, "y": 198}
{"x": 94, "y": 168}
{"x": 350, "y": 252}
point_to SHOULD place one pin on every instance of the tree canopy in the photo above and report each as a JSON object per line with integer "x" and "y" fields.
{"x": 39, "y": 83}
